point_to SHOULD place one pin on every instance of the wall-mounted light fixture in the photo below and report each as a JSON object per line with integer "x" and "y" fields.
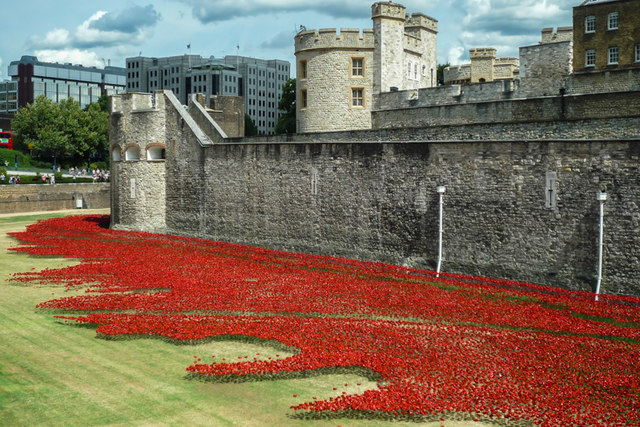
{"x": 440, "y": 189}
{"x": 601, "y": 196}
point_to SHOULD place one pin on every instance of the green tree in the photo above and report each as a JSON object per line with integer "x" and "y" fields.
{"x": 103, "y": 103}
{"x": 63, "y": 132}
{"x": 250, "y": 128}
{"x": 440, "y": 73}
{"x": 287, "y": 121}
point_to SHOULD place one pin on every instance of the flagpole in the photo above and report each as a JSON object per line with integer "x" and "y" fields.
{"x": 189, "y": 48}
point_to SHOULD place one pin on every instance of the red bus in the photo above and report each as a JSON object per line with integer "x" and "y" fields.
{"x": 6, "y": 140}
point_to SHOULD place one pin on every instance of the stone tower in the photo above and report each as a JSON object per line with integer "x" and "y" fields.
{"x": 330, "y": 67}
{"x": 482, "y": 64}
{"x": 388, "y": 55}
{"x": 339, "y": 74}
{"x": 421, "y": 32}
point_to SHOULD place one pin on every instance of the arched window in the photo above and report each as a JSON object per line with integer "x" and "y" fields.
{"x": 132, "y": 153}
{"x": 115, "y": 154}
{"x": 155, "y": 152}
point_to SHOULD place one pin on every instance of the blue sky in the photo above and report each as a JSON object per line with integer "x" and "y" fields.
{"x": 93, "y": 33}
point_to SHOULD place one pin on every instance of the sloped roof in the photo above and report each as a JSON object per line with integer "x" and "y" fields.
{"x": 590, "y": 2}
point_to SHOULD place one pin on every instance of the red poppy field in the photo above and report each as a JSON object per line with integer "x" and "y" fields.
{"x": 489, "y": 350}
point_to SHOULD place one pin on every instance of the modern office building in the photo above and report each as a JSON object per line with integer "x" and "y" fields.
{"x": 8, "y": 97}
{"x": 31, "y": 78}
{"x": 258, "y": 81}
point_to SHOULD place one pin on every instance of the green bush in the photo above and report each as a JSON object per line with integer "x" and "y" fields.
{"x": 7, "y": 158}
{"x": 100, "y": 165}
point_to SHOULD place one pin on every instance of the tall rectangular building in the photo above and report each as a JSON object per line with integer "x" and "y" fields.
{"x": 258, "y": 81}
{"x": 606, "y": 35}
{"x": 31, "y": 78}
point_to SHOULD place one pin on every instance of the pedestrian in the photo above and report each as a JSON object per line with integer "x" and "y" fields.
{"x": 2, "y": 178}
{"x": 18, "y": 180}
{"x": 53, "y": 179}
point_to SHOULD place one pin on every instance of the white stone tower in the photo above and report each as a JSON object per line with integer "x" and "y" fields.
{"x": 388, "y": 56}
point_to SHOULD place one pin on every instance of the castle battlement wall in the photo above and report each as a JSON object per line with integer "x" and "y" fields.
{"x": 563, "y": 34}
{"x": 482, "y": 52}
{"x": 507, "y": 60}
{"x": 457, "y": 73}
{"x": 388, "y": 10}
{"x": 150, "y": 135}
{"x": 545, "y": 68}
{"x": 330, "y": 38}
{"x": 420, "y": 21}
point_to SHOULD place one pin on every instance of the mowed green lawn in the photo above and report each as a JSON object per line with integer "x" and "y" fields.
{"x": 53, "y": 374}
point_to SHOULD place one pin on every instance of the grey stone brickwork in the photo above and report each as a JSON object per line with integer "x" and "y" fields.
{"x": 545, "y": 68}
{"x": 372, "y": 194}
{"x": 43, "y": 197}
{"x": 377, "y": 201}
{"x": 572, "y": 107}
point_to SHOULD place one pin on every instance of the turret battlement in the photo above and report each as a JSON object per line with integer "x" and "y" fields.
{"x": 563, "y": 34}
{"x": 330, "y": 38}
{"x": 135, "y": 101}
{"x": 507, "y": 60}
{"x": 420, "y": 21}
{"x": 388, "y": 10}
{"x": 482, "y": 52}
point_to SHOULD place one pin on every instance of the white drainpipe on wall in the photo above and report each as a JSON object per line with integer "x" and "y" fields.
{"x": 602, "y": 196}
{"x": 440, "y": 190}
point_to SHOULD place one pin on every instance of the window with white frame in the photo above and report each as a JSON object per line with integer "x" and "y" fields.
{"x": 613, "y": 56}
{"x": 613, "y": 21}
{"x": 637, "y": 53}
{"x": 590, "y": 24}
{"x": 590, "y": 58}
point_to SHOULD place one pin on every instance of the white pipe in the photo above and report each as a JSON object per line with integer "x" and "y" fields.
{"x": 440, "y": 194}
{"x": 601, "y": 198}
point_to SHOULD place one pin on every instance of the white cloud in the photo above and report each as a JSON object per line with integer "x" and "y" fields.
{"x": 74, "y": 56}
{"x": 97, "y": 31}
{"x": 56, "y": 38}
{"x": 455, "y": 55}
{"x": 87, "y": 35}
{"x": 506, "y": 25}
{"x": 223, "y": 10}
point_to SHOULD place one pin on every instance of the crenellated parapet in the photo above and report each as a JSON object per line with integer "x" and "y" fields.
{"x": 420, "y": 21}
{"x": 457, "y": 74}
{"x": 482, "y": 53}
{"x": 388, "y": 10}
{"x": 563, "y": 34}
{"x": 507, "y": 60}
{"x": 330, "y": 38}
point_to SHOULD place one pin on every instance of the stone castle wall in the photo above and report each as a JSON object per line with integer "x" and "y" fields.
{"x": 545, "y": 68}
{"x": 536, "y": 97}
{"x": 604, "y": 82}
{"x": 563, "y": 34}
{"x": 41, "y": 197}
{"x": 371, "y": 194}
